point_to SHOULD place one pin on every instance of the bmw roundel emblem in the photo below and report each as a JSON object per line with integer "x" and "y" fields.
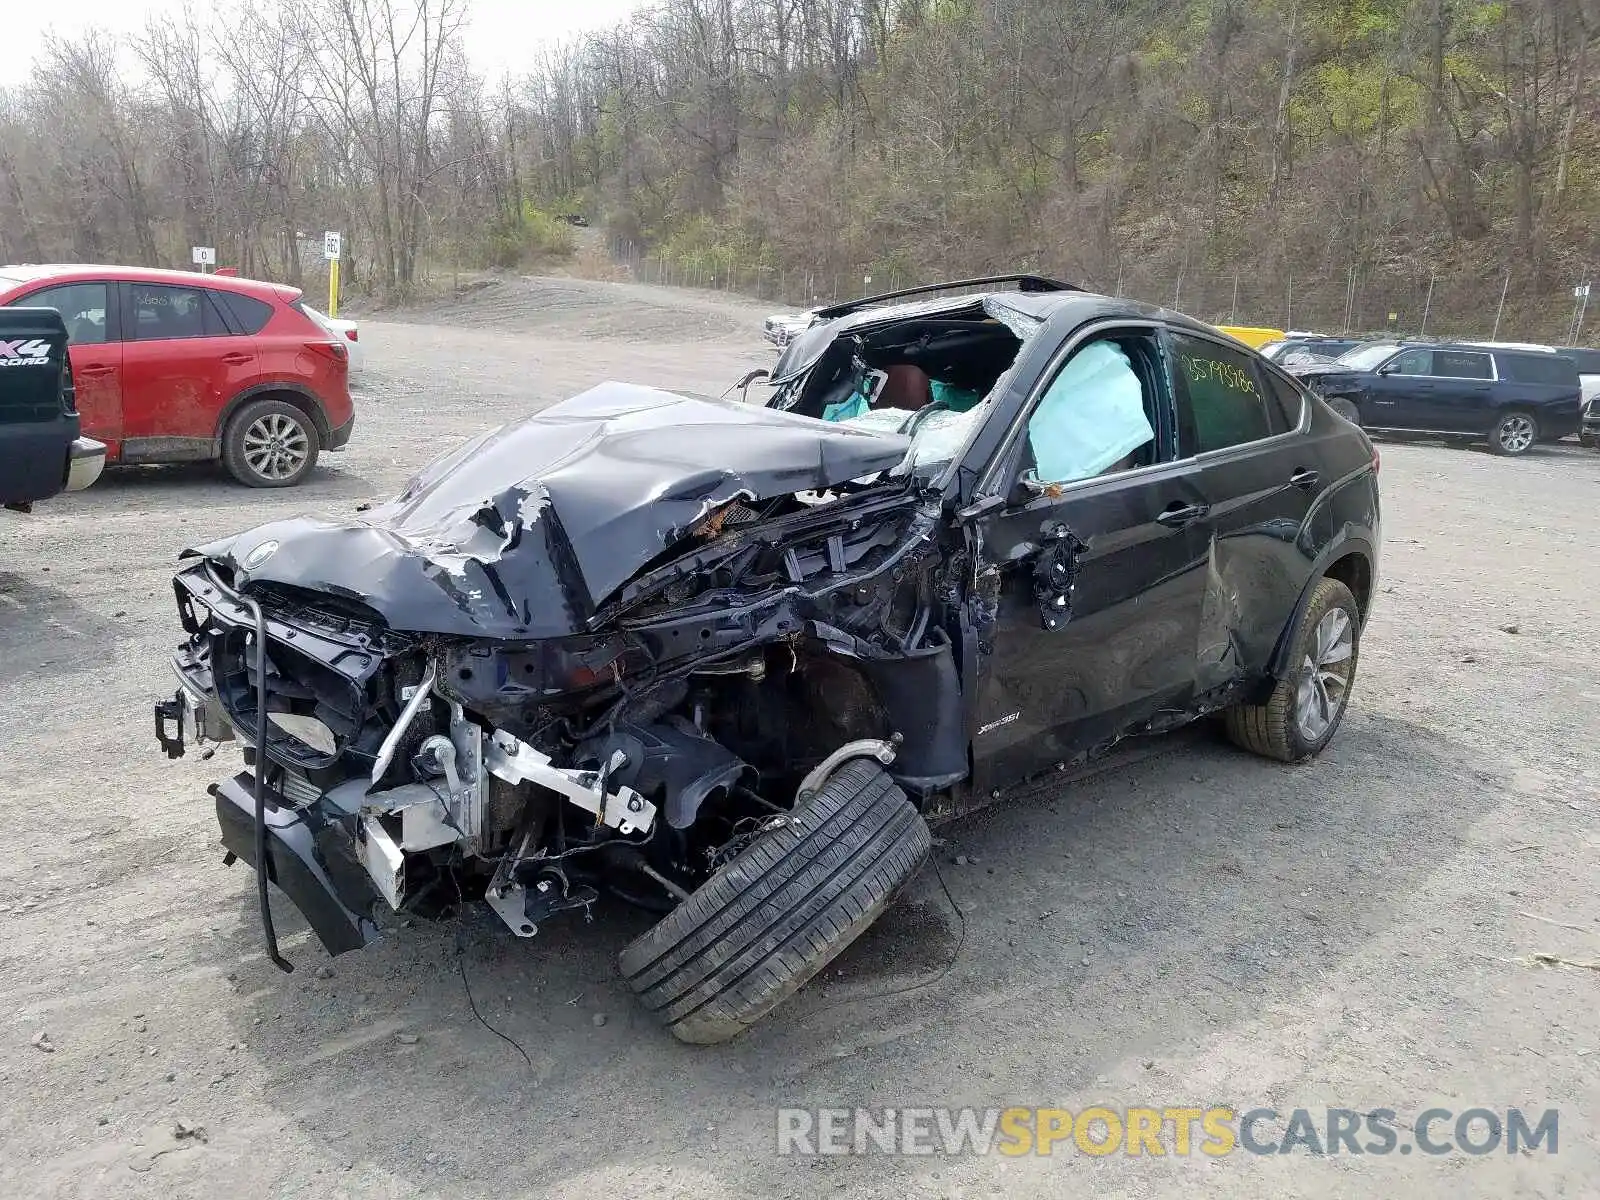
{"x": 259, "y": 555}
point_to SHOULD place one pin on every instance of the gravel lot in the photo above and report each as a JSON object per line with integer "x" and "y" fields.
{"x": 1196, "y": 927}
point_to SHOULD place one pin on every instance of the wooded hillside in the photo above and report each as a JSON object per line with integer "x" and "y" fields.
{"x": 1298, "y": 162}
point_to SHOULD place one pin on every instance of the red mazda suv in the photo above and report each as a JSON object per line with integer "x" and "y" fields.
{"x": 172, "y": 366}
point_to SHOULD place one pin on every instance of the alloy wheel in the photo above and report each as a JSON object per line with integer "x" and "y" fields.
{"x": 276, "y": 446}
{"x": 1516, "y": 434}
{"x": 1325, "y": 675}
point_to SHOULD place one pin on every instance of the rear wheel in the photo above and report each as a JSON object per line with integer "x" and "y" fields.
{"x": 782, "y": 909}
{"x": 1514, "y": 433}
{"x": 1301, "y": 715}
{"x": 270, "y": 444}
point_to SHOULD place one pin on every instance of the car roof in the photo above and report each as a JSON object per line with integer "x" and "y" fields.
{"x": 11, "y": 275}
{"x": 1078, "y": 307}
{"x": 1530, "y": 347}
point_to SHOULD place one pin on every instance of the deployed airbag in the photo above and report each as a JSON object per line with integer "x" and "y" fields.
{"x": 1091, "y": 416}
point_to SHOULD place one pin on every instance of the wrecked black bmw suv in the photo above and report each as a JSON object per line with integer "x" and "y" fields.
{"x": 726, "y": 660}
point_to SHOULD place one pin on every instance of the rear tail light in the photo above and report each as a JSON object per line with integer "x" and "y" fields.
{"x": 334, "y": 350}
{"x": 351, "y": 334}
{"x": 1377, "y": 460}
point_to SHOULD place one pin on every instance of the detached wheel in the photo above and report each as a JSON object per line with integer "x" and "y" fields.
{"x": 1513, "y": 434}
{"x": 783, "y": 909}
{"x": 1301, "y": 715}
{"x": 270, "y": 444}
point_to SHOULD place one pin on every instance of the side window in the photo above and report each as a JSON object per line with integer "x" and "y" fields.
{"x": 1550, "y": 369}
{"x": 1410, "y": 362}
{"x": 158, "y": 310}
{"x": 81, "y": 305}
{"x": 1098, "y": 415}
{"x": 1222, "y": 397}
{"x": 1288, "y": 399}
{"x": 1462, "y": 364}
{"x": 249, "y": 314}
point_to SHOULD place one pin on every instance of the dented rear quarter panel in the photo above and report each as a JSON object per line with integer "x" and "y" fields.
{"x": 1269, "y": 538}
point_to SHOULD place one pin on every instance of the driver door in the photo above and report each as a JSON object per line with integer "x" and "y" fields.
{"x": 1094, "y": 573}
{"x": 1402, "y": 392}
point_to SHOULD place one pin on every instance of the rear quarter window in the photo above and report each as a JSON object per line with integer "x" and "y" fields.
{"x": 249, "y": 314}
{"x": 1555, "y": 370}
{"x": 1286, "y": 396}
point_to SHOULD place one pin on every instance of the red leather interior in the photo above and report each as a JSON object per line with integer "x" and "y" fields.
{"x": 907, "y": 387}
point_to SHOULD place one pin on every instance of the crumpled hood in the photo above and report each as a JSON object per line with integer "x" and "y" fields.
{"x": 1318, "y": 370}
{"x": 523, "y": 531}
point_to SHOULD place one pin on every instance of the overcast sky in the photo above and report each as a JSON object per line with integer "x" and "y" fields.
{"x": 502, "y": 35}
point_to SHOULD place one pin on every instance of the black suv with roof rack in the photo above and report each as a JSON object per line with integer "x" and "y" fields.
{"x": 41, "y": 454}
{"x": 1510, "y": 398}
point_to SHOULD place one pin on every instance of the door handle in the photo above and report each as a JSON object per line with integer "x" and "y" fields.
{"x": 1176, "y": 515}
{"x": 1305, "y": 477}
{"x": 96, "y": 369}
{"x": 234, "y": 359}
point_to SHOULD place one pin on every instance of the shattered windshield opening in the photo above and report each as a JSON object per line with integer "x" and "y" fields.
{"x": 937, "y": 434}
{"x": 931, "y": 377}
{"x": 1364, "y": 358}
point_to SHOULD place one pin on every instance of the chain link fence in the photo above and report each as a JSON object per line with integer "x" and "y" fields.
{"x": 1491, "y": 305}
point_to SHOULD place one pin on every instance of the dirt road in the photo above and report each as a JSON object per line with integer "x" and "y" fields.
{"x": 1198, "y": 928}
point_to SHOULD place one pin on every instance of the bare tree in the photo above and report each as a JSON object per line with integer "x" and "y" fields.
{"x": 1257, "y": 149}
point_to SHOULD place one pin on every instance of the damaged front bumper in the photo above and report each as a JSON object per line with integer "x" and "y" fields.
{"x": 336, "y": 853}
{"x": 314, "y": 861}
{"x": 337, "y": 842}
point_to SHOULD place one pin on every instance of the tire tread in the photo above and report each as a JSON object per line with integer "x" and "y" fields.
{"x": 763, "y": 925}
{"x": 1267, "y": 729}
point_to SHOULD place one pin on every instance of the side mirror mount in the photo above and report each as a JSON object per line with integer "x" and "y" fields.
{"x": 1055, "y": 577}
{"x": 1030, "y": 487}
{"x": 980, "y": 508}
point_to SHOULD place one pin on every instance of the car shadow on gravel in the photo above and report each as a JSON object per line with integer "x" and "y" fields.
{"x": 183, "y": 481}
{"x": 43, "y": 629}
{"x": 1132, "y": 917}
